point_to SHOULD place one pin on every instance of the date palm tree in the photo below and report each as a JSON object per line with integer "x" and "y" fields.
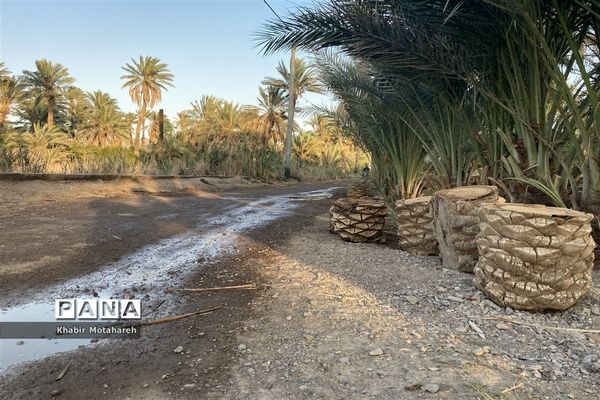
{"x": 300, "y": 78}
{"x": 272, "y": 116}
{"x": 77, "y": 110}
{"x": 10, "y": 91}
{"x": 145, "y": 79}
{"x": 511, "y": 83}
{"x": 48, "y": 82}
{"x": 306, "y": 79}
{"x": 105, "y": 123}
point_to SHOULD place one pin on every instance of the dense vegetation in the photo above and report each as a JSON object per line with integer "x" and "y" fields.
{"x": 49, "y": 125}
{"x": 445, "y": 93}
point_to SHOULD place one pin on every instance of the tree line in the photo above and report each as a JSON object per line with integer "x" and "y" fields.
{"x": 49, "y": 124}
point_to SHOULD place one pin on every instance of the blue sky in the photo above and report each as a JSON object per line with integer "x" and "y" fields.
{"x": 207, "y": 44}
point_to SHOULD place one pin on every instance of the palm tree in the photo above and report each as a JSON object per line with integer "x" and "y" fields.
{"x": 300, "y": 78}
{"x": 145, "y": 79}
{"x": 485, "y": 83}
{"x": 48, "y": 81}
{"x": 46, "y": 146}
{"x": 105, "y": 123}
{"x": 10, "y": 91}
{"x": 77, "y": 110}
{"x": 205, "y": 113}
{"x": 229, "y": 118}
{"x": 271, "y": 112}
{"x": 4, "y": 72}
{"x": 305, "y": 79}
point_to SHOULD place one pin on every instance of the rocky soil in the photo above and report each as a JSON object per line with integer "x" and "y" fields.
{"x": 343, "y": 320}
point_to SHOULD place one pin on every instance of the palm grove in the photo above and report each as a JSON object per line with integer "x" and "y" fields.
{"x": 444, "y": 93}
{"x": 47, "y": 124}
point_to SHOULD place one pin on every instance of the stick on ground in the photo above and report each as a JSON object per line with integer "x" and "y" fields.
{"x": 246, "y": 286}
{"x": 63, "y": 372}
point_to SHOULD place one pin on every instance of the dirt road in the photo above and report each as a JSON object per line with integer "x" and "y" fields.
{"x": 328, "y": 320}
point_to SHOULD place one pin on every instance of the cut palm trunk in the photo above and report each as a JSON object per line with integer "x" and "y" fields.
{"x": 358, "y": 220}
{"x": 357, "y": 190}
{"x": 534, "y": 257}
{"x": 415, "y": 228}
{"x": 456, "y": 223}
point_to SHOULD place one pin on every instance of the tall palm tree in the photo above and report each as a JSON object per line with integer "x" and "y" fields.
{"x": 145, "y": 79}
{"x": 306, "y": 79}
{"x": 48, "y": 81}
{"x": 300, "y": 78}
{"x": 271, "y": 111}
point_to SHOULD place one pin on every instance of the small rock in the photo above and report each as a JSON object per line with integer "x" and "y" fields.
{"x": 595, "y": 338}
{"x": 376, "y": 352}
{"x": 589, "y": 359}
{"x": 455, "y": 299}
{"x": 344, "y": 360}
{"x": 481, "y": 351}
{"x": 289, "y": 317}
{"x": 178, "y": 349}
{"x": 241, "y": 347}
{"x": 461, "y": 329}
{"x": 55, "y": 393}
{"x": 595, "y": 309}
{"x": 145, "y": 385}
{"x": 412, "y": 299}
{"x": 164, "y": 376}
{"x": 189, "y": 385}
{"x": 509, "y": 311}
{"x": 105, "y": 386}
{"x": 412, "y": 386}
{"x": 308, "y": 338}
{"x": 431, "y": 388}
{"x": 502, "y": 326}
{"x": 20, "y": 343}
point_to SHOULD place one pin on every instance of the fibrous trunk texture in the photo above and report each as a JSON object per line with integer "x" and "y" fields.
{"x": 357, "y": 190}
{"x": 456, "y": 223}
{"x": 415, "y": 228}
{"x": 358, "y": 220}
{"x": 534, "y": 257}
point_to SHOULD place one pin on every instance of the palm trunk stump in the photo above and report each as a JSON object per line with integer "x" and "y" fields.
{"x": 534, "y": 257}
{"x": 415, "y": 228}
{"x": 358, "y": 220}
{"x": 456, "y": 223}
{"x": 357, "y": 190}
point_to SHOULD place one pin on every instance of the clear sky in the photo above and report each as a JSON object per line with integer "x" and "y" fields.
{"x": 207, "y": 44}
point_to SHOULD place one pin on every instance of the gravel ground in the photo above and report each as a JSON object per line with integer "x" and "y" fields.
{"x": 343, "y": 320}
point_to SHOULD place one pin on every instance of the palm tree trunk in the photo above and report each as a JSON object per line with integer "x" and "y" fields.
{"x": 138, "y": 130}
{"x": 50, "y": 120}
{"x": 292, "y": 107}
